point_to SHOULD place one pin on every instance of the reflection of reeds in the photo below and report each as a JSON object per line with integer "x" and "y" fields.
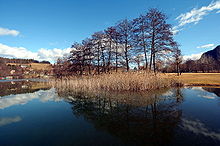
{"x": 130, "y": 81}
{"x": 126, "y": 97}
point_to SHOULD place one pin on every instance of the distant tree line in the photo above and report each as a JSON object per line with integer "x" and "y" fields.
{"x": 144, "y": 42}
{"x": 192, "y": 66}
{"x": 21, "y": 61}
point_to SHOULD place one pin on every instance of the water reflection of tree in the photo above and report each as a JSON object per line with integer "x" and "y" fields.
{"x": 178, "y": 94}
{"x": 151, "y": 122}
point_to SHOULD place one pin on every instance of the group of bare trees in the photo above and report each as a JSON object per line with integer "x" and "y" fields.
{"x": 142, "y": 41}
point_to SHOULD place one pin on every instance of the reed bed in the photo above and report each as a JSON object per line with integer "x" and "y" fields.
{"x": 123, "y": 81}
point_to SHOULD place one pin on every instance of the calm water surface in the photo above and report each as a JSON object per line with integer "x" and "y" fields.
{"x": 34, "y": 114}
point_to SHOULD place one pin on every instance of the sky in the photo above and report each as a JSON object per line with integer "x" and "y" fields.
{"x": 46, "y": 29}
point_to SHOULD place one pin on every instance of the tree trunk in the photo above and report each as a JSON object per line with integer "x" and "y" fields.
{"x": 154, "y": 62}
{"x": 145, "y": 49}
{"x": 98, "y": 60}
{"x": 145, "y": 56}
{"x": 126, "y": 56}
{"x": 103, "y": 60}
{"x": 116, "y": 57}
{"x": 151, "y": 58}
{"x": 109, "y": 56}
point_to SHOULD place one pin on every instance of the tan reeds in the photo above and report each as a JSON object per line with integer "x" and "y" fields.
{"x": 126, "y": 81}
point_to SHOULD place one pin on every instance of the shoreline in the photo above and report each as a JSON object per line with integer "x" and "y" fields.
{"x": 19, "y": 80}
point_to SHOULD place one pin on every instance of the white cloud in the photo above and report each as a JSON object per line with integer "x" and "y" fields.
{"x": 218, "y": 12}
{"x": 192, "y": 56}
{"x": 176, "y": 29}
{"x": 206, "y": 46}
{"x": 19, "y": 99}
{"x": 16, "y": 52}
{"x": 42, "y": 54}
{"x": 198, "y": 89}
{"x": 207, "y": 96}
{"x": 196, "y": 15}
{"x": 5, "y": 31}
{"x": 52, "y": 54}
{"x": 199, "y": 128}
{"x": 9, "y": 120}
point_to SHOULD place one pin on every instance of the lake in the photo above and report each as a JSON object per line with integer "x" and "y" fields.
{"x": 33, "y": 113}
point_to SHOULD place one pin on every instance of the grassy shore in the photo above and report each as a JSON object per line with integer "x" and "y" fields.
{"x": 127, "y": 81}
{"x": 198, "y": 79}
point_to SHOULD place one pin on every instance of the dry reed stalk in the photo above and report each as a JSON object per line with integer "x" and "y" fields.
{"x": 127, "y": 81}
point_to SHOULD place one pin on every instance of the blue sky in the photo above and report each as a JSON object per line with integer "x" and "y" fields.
{"x": 45, "y": 29}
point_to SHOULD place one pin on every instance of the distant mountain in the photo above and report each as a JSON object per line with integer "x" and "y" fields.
{"x": 211, "y": 57}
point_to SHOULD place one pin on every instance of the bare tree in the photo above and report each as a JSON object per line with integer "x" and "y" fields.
{"x": 88, "y": 53}
{"x": 63, "y": 68}
{"x": 110, "y": 35}
{"x": 117, "y": 47}
{"x": 125, "y": 30}
{"x": 177, "y": 58}
{"x": 99, "y": 49}
{"x": 125, "y": 43}
{"x": 77, "y": 57}
{"x": 159, "y": 34}
{"x": 140, "y": 36}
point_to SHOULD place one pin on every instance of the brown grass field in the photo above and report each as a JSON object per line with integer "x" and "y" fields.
{"x": 41, "y": 66}
{"x": 198, "y": 79}
{"x": 35, "y": 66}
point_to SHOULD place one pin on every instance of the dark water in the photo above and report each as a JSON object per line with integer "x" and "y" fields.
{"x": 35, "y": 114}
